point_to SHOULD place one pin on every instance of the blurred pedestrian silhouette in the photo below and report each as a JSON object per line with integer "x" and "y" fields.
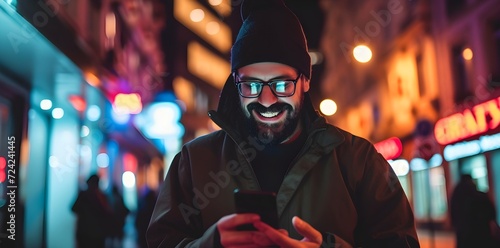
{"x": 472, "y": 213}
{"x": 144, "y": 212}
{"x": 120, "y": 212}
{"x": 94, "y": 216}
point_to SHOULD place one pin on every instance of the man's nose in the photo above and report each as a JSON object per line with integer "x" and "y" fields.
{"x": 267, "y": 98}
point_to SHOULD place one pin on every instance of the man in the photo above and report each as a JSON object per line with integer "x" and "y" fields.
{"x": 93, "y": 215}
{"x": 333, "y": 188}
{"x": 472, "y": 214}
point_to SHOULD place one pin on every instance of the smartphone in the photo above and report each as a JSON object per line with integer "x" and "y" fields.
{"x": 258, "y": 202}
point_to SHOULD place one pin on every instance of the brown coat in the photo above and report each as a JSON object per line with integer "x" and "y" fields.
{"x": 338, "y": 183}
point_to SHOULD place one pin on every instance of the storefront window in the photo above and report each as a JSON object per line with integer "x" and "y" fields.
{"x": 495, "y": 170}
{"x": 405, "y": 185}
{"x": 401, "y": 167}
{"x": 430, "y": 194}
{"x": 476, "y": 167}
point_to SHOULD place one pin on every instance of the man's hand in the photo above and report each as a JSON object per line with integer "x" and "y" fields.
{"x": 312, "y": 238}
{"x": 231, "y": 237}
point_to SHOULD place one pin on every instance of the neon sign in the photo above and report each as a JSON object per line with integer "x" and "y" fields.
{"x": 78, "y": 102}
{"x": 127, "y": 103}
{"x": 470, "y": 148}
{"x": 129, "y": 162}
{"x": 3, "y": 164}
{"x": 477, "y": 120}
{"x": 390, "y": 148}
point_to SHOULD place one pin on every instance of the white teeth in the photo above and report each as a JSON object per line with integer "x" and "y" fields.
{"x": 269, "y": 114}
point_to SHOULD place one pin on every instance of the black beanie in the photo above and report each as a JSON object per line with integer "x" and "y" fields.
{"x": 270, "y": 33}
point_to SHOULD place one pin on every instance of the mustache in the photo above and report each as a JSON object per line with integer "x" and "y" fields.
{"x": 277, "y": 107}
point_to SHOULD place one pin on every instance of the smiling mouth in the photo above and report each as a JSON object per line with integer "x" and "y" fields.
{"x": 270, "y": 114}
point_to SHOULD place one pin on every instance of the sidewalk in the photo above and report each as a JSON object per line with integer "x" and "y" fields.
{"x": 440, "y": 239}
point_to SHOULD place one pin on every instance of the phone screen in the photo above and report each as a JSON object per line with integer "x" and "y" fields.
{"x": 259, "y": 202}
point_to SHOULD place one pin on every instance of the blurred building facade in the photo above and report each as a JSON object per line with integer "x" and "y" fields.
{"x": 198, "y": 41}
{"x": 419, "y": 75}
{"x": 467, "y": 38}
{"x": 74, "y": 76}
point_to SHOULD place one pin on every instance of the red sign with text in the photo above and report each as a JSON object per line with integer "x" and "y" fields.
{"x": 390, "y": 148}
{"x": 477, "y": 120}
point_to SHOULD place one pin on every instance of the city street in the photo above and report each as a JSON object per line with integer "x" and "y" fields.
{"x": 362, "y": 117}
{"x": 442, "y": 239}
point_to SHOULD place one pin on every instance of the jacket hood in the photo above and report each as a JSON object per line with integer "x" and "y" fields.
{"x": 229, "y": 114}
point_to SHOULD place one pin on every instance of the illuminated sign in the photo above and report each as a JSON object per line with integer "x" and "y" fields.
{"x": 3, "y": 164}
{"x": 129, "y": 162}
{"x": 127, "y": 103}
{"x": 471, "y": 148}
{"x": 78, "y": 102}
{"x": 92, "y": 79}
{"x": 390, "y": 148}
{"x": 418, "y": 164}
{"x": 160, "y": 121}
{"x": 400, "y": 166}
{"x": 470, "y": 122}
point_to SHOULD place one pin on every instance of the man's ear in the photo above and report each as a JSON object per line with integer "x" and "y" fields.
{"x": 305, "y": 84}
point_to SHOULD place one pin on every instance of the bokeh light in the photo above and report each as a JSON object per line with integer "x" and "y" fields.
{"x": 57, "y": 113}
{"x": 197, "y": 15}
{"x": 128, "y": 179}
{"x": 328, "y": 107}
{"x": 468, "y": 54}
{"x": 45, "y": 104}
{"x": 362, "y": 53}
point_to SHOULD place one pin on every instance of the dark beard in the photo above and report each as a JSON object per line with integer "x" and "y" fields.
{"x": 268, "y": 134}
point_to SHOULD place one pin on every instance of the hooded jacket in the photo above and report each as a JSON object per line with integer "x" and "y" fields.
{"x": 338, "y": 183}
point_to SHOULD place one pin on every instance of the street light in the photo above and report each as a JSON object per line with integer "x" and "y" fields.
{"x": 467, "y": 54}
{"x": 328, "y": 107}
{"x": 362, "y": 53}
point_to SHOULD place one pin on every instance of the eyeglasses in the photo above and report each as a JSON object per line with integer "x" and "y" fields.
{"x": 279, "y": 87}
